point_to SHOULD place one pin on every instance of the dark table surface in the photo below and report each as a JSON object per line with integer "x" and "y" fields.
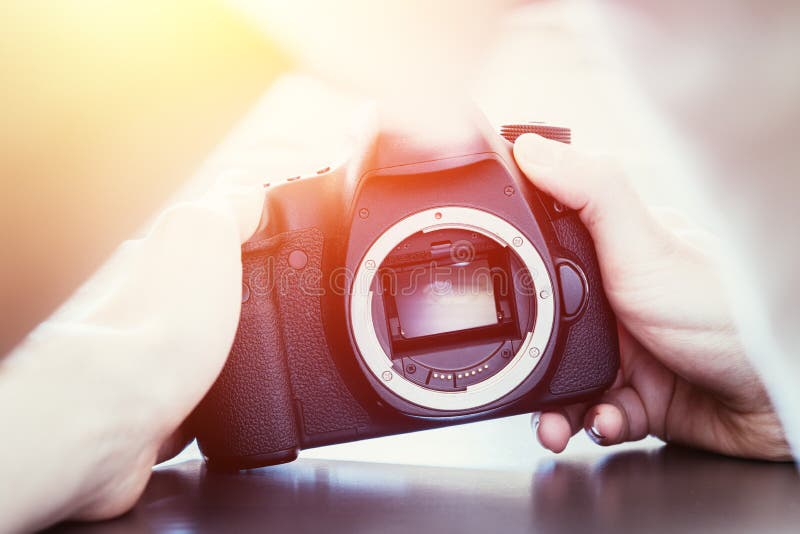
{"x": 658, "y": 490}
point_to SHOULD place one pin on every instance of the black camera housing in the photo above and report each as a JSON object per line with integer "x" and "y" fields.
{"x": 295, "y": 379}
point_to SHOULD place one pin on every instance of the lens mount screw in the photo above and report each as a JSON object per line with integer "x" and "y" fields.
{"x": 387, "y": 375}
{"x": 411, "y": 368}
{"x": 509, "y": 191}
{"x": 369, "y": 264}
{"x": 517, "y": 241}
{"x": 363, "y": 213}
{"x": 544, "y": 293}
{"x": 534, "y": 352}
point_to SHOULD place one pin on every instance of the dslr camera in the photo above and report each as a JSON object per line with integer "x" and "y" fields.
{"x": 425, "y": 282}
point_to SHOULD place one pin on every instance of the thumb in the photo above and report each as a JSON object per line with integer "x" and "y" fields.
{"x": 622, "y": 227}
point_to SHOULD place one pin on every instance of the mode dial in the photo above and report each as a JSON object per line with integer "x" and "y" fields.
{"x": 556, "y": 133}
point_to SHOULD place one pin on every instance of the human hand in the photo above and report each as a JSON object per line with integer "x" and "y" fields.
{"x": 101, "y": 389}
{"x": 684, "y": 376}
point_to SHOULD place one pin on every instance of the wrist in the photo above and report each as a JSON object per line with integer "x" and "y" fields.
{"x": 79, "y": 424}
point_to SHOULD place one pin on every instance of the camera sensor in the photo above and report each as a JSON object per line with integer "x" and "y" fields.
{"x": 440, "y": 298}
{"x": 450, "y": 306}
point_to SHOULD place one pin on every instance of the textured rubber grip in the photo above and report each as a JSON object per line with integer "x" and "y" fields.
{"x": 324, "y": 405}
{"x": 280, "y": 388}
{"x": 247, "y": 415}
{"x": 591, "y": 350}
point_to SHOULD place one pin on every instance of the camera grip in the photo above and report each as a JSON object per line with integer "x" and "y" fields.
{"x": 326, "y": 411}
{"x": 590, "y": 357}
{"x": 247, "y": 419}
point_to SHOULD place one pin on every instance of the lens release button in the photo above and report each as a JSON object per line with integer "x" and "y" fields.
{"x": 573, "y": 288}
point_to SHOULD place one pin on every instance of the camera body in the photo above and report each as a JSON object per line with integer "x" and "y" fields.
{"x": 417, "y": 285}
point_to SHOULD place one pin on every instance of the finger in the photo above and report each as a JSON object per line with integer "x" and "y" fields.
{"x": 174, "y": 444}
{"x": 240, "y": 194}
{"x": 620, "y": 224}
{"x": 620, "y": 417}
{"x": 553, "y": 429}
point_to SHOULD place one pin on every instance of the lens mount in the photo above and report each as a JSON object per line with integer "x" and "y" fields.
{"x": 523, "y": 362}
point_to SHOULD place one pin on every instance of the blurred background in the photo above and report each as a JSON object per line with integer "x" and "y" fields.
{"x": 111, "y": 111}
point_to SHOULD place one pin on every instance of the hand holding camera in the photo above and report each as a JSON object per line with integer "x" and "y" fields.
{"x": 684, "y": 376}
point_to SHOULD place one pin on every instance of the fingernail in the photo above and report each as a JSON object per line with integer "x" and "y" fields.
{"x": 537, "y": 150}
{"x": 535, "y": 423}
{"x": 594, "y": 432}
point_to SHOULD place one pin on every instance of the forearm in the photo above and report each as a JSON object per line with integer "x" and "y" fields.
{"x": 87, "y": 400}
